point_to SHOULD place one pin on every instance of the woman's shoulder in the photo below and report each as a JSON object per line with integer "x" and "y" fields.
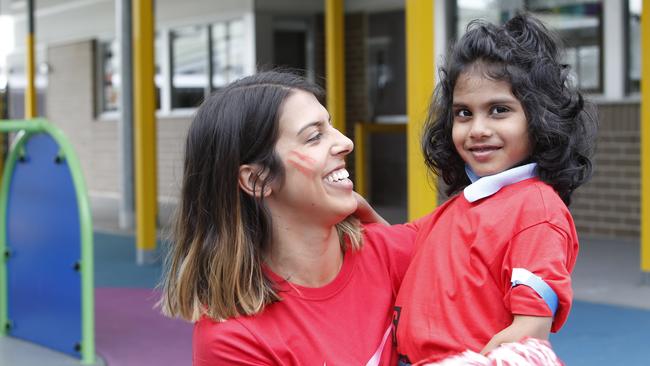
{"x": 208, "y": 330}
{"x": 229, "y": 341}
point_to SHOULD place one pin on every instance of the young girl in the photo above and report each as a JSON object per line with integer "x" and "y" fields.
{"x": 511, "y": 137}
{"x": 266, "y": 259}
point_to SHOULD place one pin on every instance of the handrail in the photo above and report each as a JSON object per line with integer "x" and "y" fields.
{"x": 26, "y": 128}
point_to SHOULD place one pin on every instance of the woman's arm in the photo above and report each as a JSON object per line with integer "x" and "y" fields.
{"x": 365, "y": 213}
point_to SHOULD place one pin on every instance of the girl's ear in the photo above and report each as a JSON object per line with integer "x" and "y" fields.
{"x": 251, "y": 178}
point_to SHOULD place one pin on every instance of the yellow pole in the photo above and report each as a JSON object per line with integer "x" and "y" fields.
{"x": 144, "y": 130}
{"x": 30, "y": 90}
{"x": 421, "y": 193}
{"x": 335, "y": 62}
{"x": 645, "y": 140}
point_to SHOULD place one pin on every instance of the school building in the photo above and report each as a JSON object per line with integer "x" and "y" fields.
{"x": 376, "y": 59}
{"x": 201, "y": 45}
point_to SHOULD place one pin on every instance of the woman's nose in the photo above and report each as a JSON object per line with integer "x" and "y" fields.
{"x": 342, "y": 144}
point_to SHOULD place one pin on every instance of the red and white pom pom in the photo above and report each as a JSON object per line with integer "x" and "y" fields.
{"x": 529, "y": 352}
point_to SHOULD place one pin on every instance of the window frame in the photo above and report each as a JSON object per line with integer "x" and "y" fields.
{"x": 164, "y": 56}
{"x": 628, "y": 90}
{"x": 600, "y": 90}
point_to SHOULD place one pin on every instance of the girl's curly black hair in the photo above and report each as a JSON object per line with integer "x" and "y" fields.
{"x": 561, "y": 125}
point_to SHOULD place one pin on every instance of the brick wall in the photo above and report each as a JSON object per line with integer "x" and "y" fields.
{"x": 356, "y": 87}
{"x": 609, "y": 205}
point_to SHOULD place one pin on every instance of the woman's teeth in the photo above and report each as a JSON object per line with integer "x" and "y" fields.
{"x": 337, "y": 175}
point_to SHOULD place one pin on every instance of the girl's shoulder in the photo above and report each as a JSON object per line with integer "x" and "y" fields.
{"x": 534, "y": 201}
{"x": 529, "y": 192}
{"x": 542, "y": 193}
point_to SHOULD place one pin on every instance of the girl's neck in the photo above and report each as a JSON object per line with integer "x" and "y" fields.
{"x": 306, "y": 255}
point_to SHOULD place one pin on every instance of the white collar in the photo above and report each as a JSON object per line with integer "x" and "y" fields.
{"x": 491, "y": 184}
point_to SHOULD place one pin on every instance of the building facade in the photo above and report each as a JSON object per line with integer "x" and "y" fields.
{"x": 202, "y": 45}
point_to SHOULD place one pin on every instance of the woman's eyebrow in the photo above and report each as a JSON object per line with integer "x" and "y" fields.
{"x": 311, "y": 124}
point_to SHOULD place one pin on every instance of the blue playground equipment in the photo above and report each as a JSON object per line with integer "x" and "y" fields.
{"x": 46, "y": 243}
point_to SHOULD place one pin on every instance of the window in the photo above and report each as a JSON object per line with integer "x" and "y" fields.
{"x": 109, "y": 78}
{"x": 577, "y": 22}
{"x": 227, "y": 52}
{"x": 190, "y": 61}
{"x": 633, "y": 74}
{"x": 189, "y": 66}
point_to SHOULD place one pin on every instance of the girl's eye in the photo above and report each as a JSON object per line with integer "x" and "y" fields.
{"x": 499, "y": 109}
{"x": 463, "y": 113}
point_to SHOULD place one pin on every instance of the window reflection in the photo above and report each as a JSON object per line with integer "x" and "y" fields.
{"x": 189, "y": 68}
{"x": 634, "y": 46}
{"x": 227, "y": 52}
{"x": 577, "y": 22}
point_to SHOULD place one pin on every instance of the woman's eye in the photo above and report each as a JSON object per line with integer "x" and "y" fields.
{"x": 315, "y": 137}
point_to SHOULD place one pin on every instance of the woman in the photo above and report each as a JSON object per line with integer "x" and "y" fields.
{"x": 266, "y": 259}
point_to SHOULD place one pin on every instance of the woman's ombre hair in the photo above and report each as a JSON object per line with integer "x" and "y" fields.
{"x": 214, "y": 265}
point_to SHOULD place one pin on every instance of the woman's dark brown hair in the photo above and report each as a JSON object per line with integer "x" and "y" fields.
{"x": 214, "y": 266}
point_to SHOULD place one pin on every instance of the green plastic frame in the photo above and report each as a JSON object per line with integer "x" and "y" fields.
{"x": 25, "y": 129}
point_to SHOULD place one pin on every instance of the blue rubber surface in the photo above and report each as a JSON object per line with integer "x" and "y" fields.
{"x": 598, "y": 334}
{"x": 115, "y": 264}
{"x": 43, "y": 237}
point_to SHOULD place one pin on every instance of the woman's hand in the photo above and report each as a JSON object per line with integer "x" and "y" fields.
{"x": 365, "y": 213}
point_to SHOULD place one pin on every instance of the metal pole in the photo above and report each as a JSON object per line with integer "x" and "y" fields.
{"x": 145, "y": 131}
{"x": 124, "y": 20}
{"x": 421, "y": 194}
{"x": 335, "y": 62}
{"x": 645, "y": 142}
{"x": 30, "y": 90}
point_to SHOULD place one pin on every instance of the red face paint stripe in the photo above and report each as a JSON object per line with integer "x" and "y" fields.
{"x": 303, "y": 158}
{"x": 302, "y": 162}
{"x": 307, "y": 171}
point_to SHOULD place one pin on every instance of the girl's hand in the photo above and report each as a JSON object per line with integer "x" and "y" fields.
{"x": 365, "y": 213}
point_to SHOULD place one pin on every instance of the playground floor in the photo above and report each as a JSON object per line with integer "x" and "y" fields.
{"x": 609, "y": 324}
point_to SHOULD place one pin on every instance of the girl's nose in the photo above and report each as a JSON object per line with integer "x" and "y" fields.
{"x": 480, "y": 128}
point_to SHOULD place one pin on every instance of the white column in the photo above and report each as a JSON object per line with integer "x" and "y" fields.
{"x": 613, "y": 49}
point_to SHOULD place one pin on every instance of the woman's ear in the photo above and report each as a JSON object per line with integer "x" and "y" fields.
{"x": 251, "y": 180}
